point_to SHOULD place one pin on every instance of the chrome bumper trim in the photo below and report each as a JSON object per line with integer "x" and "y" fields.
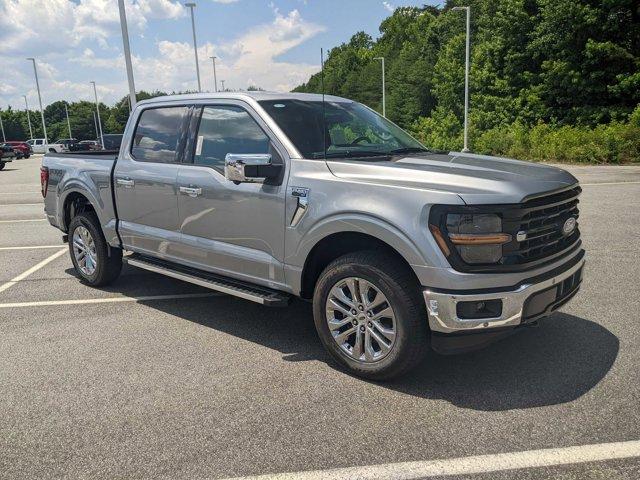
{"x": 443, "y": 318}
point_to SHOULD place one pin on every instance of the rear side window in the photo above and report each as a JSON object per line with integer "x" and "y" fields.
{"x": 157, "y": 134}
{"x": 227, "y": 129}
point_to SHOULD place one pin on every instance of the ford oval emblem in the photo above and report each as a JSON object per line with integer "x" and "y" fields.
{"x": 569, "y": 226}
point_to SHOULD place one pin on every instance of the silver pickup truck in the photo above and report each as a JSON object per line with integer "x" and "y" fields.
{"x": 272, "y": 196}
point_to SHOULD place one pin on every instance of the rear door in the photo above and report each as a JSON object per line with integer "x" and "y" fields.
{"x": 231, "y": 229}
{"x": 145, "y": 181}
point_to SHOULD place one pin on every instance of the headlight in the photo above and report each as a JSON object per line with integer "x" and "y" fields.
{"x": 477, "y": 238}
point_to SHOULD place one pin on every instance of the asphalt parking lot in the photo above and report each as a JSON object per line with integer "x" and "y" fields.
{"x": 154, "y": 378}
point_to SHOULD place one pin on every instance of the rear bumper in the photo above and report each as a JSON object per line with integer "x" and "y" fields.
{"x": 529, "y": 301}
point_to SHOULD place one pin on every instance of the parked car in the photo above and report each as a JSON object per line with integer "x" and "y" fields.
{"x": 92, "y": 144}
{"x": 37, "y": 145}
{"x": 23, "y": 148}
{"x": 73, "y": 145}
{"x": 7, "y": 154}
{"x": 112, "y": 141}
{"x": 272, "y": 196}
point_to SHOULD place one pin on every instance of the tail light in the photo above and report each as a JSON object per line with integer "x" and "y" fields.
{"x": 44, "y": 180}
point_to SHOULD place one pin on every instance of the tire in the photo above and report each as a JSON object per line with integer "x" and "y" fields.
{"x": 108, "y": 260}
{"x": 27, "y": 155}
{"x": 2, "y": 164}
{"x": 407, "y": 326}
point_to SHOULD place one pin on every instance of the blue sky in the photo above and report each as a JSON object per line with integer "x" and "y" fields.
{"x": 272, "y": 44}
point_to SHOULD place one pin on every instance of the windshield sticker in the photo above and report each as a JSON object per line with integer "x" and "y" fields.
{"x": 199, "y": 144}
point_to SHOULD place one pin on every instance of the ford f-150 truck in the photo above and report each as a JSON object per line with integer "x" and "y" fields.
{"x": 272, "y": 196}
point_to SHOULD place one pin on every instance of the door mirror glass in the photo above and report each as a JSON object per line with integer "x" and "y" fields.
{"x": 249, "y": 167}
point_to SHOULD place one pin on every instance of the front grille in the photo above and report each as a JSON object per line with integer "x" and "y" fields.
{"x": 540, "y": 222}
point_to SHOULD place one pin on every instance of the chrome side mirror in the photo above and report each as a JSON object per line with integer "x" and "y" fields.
{"x": 249, "y": 167}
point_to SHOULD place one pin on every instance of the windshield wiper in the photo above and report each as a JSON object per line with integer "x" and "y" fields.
{"x": 409, "y": 150}
{"x": 350, "y": 154}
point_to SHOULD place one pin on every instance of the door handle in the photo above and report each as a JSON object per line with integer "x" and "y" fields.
{"x": 191, "y": 191}
{"x": 125, "y": 182}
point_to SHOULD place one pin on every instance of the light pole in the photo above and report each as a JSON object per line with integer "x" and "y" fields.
{"x": 215, "y": 78}
{"x": 66, "y": 110}
{"x": 44, "y": 127}
{"x": 384, "y": 93}
{"x": 95, "y": 124}
{"x": 26, "y": 104}
{"x": 195, "y": 43}
{"x": 127, "y": 52}
{"x": 95, "y": 94}
{"x": 4, "y": 139}
{"x": 222, "y": 82}
{"x": 465, "y": 148}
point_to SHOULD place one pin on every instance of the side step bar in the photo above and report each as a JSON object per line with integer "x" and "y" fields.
{"x": 255, "y": 293}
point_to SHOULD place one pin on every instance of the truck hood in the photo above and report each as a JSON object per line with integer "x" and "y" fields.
{"x": 477, "y": 179}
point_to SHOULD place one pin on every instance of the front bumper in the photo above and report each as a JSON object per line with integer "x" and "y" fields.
{"x": 533, "y": 299}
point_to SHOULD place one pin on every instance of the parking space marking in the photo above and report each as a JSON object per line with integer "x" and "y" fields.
{"x": 83, "y": 301}
{"x": 21, "y": 204}
{"x": 547, "y": 457}
{"x": 33, "y": 269}
{"x": 22, "y": 221}
{"x": 35, "y": 247}
{"x": 608, "y": 183}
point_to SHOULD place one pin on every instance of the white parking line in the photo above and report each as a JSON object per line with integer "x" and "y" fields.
{"x": 23, "y": 221}
{"x": 84, "y": 301}
{"x": 20, "y": 193}
{"x": 607, "y": 183}
{"x": 35, "y": 247}
{"x": 21, "y": 204}
{"x": 33, "y": 269}
{"x": 470, "y": 465}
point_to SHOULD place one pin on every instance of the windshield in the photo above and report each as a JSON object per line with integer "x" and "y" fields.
{"x": 350, "y": 129}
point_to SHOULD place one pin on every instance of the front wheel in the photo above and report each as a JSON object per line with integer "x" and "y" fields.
{"x": 370, "y": 316}
{"x": 2, "y": 164}
{"x": 96, "y": 263}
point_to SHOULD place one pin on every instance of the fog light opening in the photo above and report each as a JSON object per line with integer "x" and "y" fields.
{"x": 479, "y": 309}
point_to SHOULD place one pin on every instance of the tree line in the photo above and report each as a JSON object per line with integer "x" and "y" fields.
{"x": 550, "y": 79}
{"x": 81, "y": 118}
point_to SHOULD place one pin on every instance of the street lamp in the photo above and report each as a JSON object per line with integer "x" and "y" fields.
{"x": 4, "y": 139}
{"x": 95, "y": 94}
{"x": 195, "y": 43}
{"x": 127, "y": 52}
{"x": 465, "y": 148}
{"x": 95, "y": 124}
{"x": 66, "y": 110}
{"x": 26, "y": 104}
{"x": 215, "y": 78}
{"x": 222, "y": 82}
{"x": 384, "y": 93}
{"x": 44, "y": 127}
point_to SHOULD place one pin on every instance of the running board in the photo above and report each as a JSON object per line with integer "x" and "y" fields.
{"x": 255, "y": 293}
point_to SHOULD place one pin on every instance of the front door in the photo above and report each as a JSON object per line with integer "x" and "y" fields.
{"x": 145, "y": 182}
{"x": 227, "y": 228}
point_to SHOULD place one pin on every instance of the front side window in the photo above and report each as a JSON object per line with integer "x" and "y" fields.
{"x": 157, "y": 135}
{"x": 227, "y": 129}
{"x": 345, "y": 129}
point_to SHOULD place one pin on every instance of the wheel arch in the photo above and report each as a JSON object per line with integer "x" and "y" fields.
{"x": 337, "y": 244}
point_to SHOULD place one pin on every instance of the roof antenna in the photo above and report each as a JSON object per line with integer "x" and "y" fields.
{"x": 324, "y": 119}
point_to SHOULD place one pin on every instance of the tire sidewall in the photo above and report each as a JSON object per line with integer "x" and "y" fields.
{"x": 389, "y": 288}
{"x": 82, "y": 220}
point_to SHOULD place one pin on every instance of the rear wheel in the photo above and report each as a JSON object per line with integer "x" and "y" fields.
{"x": 2, "y": 164}
{"x": 370, "y": 316}
{"x": 96, "y": 263}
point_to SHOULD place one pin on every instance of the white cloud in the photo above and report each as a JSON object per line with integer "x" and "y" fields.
{"x": 388, "y": 6}
{"x": 225, "y": 1}
{"x": 38, "y": 26}
{"x": 67, "y": 61}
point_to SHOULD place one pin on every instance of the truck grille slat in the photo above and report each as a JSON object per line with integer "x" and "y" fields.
{"x": 541, "y": 220}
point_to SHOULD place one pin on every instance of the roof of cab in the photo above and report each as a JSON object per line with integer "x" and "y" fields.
{"x": 254, "y": 95}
